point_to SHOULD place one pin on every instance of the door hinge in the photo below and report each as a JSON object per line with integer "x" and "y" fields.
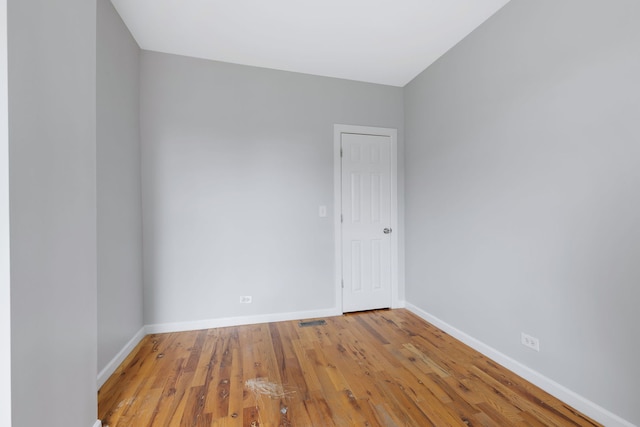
{"x": 340, "y": 151}
{"x": 341, "y": 218}
{"x": 342, "y": 281}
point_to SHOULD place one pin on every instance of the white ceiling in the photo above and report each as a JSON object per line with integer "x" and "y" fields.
{"x": 377, "y": 41}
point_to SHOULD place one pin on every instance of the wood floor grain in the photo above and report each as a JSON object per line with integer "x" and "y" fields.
{"x": 380, "y": 368}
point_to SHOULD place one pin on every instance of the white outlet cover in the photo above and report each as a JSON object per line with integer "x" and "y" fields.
{"x": 529, "y": 341}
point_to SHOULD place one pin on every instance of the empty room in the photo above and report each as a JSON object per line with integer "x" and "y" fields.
{"x": 245, "y": 213}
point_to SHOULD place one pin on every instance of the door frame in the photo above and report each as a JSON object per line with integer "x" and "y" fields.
{"x": 338, "y": 130}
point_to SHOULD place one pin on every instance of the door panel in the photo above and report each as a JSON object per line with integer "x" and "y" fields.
{"x": 366, "y": 212}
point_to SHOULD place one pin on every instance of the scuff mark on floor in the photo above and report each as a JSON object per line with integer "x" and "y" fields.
{"x": 263, "y": 387}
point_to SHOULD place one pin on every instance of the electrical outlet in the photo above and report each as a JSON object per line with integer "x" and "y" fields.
{"x": 245, "y": 299}
{"x": 529, "y": 341}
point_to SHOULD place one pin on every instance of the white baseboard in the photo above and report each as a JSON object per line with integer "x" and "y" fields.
{"x": 111, "y": 367}
{"x": 573, "y": 399}
{"x": 399, "y": 304}
{"x": 160, "y": 328}
{"x": 97, "y": 424}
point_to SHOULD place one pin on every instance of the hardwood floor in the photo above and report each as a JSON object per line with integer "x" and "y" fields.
{"x": 380, "y": 368}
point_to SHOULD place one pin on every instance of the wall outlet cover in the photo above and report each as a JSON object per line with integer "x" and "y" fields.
{"x": 529, "y": 341}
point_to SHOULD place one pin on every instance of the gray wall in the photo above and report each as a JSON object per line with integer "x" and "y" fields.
{"x": 118, "y": 185}
{"x": 52, "y": 152}
{"x": 235, "y": 162}
{"x": 5, "y": 277}
{"x": 522, "y": 148}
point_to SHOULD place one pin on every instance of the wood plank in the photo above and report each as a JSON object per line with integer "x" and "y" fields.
{"x": 380, "y": 368}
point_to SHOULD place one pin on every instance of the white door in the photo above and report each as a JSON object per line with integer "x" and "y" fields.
{"x": 366, "y": 221}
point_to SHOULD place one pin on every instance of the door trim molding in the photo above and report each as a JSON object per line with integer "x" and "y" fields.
{"x": 338, "y": 130}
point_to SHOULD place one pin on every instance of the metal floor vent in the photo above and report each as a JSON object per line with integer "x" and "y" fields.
{"x": 312, "y": 323}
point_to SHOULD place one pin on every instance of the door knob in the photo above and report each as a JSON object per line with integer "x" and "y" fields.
{"x": 387, "y": 231}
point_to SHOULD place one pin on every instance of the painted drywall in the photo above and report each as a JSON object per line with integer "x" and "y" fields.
{"x": 118, "y": 185}
{"x": 5, "y": 255}
{"x": 522, "y": 208}
{"x": 52, "y": 165}
{"x": 236, "y": 161}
